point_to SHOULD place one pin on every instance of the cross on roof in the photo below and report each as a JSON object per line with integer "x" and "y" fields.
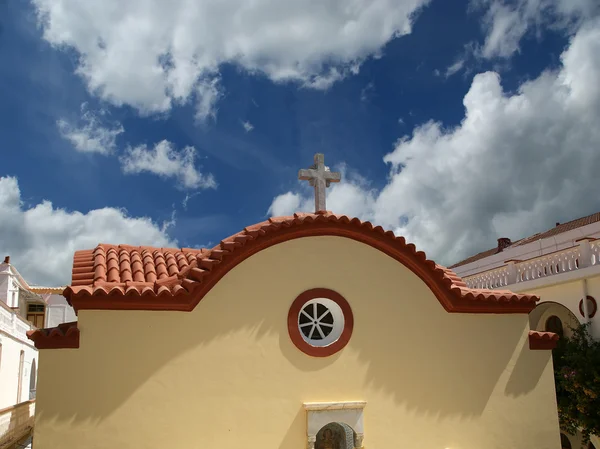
{"x": 319, "y": 176}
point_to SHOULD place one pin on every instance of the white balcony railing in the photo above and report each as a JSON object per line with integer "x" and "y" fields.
{"x": 584, "y": 254}
{"x": 13, "y": 324}
{"x": 16, "y": 423}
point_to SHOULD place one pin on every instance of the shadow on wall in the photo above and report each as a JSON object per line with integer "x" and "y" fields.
{"x": 422, "y": 366}
{"x": 527, "y": 371}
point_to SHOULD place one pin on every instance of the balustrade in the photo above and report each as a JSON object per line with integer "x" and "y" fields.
{"x": 12, "y": 324}
{"x": 16, "y": 422}
{"x": 585, "y": 254}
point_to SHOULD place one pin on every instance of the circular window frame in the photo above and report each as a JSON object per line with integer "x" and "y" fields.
{"x": 594, "y": 309}
{"x": 294, "y": 329}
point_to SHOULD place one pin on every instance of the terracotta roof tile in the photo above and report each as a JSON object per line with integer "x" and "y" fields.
{"x": 542, "y": 340}
{"x": 65, "y": 335}
{"x": 146, "y": 278}
{"x": 563, "y": 227}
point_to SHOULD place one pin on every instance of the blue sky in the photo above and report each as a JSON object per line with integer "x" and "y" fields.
{"x": 453, "y": 122}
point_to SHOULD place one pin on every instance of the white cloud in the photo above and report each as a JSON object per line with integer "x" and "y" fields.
{"x": 506, "y": 23}
{"x": 41, "y": 239}
{"x": 366, "y": 91}
{"x": 208, "y": 93}
{"x": 165, "y": 161}
{"x": 514, "y": 166}
{"x": 93, "y": 135}
{"x": 187, "y": 198}
{"x": 454, "y": 68}
{"x": 506, "y": 27}
{"x": 247, "y": 126}
{"x": 151, "y": 54}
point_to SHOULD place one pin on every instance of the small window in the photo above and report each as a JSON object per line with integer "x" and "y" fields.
{"x": 564, "y": 441}
{"x": 33, "y": 308}
{"x": 554, "y": 324}
{"x": 36, "y": 315}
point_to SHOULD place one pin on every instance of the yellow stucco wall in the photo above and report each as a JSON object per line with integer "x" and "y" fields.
{"x": 227, "y": 375}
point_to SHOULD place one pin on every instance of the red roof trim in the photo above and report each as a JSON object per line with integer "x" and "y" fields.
{"x": 199, "y": 270}
{"x": 65, "y": 335}
{"x": 542, "y": 340}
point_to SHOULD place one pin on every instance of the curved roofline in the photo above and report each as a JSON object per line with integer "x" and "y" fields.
{"x": 184, "y": 290}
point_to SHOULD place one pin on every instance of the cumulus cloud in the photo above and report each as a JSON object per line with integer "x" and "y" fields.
{"x": 152, "y": 54}
{"x": 515, "y": 165}
{"x": 92, "y": 134}
{"x": 165, "y": 161}
{"x": 41, "y": 239}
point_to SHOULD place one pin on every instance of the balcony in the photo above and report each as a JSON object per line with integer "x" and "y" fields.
{"x": 13, "y": 324}
{"x": 16, "y": 423}
{"x": 581, "y": 258}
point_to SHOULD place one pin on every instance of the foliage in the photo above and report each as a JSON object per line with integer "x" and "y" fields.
{"x": 577, "y": 377}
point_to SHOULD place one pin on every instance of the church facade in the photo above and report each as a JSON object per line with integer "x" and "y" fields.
{"x": 313, "y": 331}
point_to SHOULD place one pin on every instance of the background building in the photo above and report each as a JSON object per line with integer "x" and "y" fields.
{"x": 22, "y": 308}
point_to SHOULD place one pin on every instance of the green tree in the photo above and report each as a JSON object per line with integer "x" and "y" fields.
{"x": 577, "y": 378}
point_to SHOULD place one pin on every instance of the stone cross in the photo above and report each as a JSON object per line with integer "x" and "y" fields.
{"x": 319, "y": 177}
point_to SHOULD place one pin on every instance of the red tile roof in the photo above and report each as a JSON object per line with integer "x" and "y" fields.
{"x": 146, "y": 278}
{"x": 65, "y": 335}
{"x": 563, "y": 227}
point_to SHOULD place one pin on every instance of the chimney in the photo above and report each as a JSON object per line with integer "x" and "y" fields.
{"x": 503, "y": 242}
{"x": 7, "y": 259}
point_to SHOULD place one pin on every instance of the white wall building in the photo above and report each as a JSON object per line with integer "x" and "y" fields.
{"x": 22, "y": 308}
{"x": 18, "y": 376}
{"x": 18, "y": 359}
{"x": 42, "y": 306}
{"x": 560, "y": 265}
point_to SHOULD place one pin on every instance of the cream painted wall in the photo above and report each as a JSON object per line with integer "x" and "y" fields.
{"x": 227, "y": 375}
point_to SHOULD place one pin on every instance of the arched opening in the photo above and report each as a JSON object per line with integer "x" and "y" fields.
{"x": 336, "y": 435}
{"x": 32, "y": 380}
{"x": 565, "y": 443}
{"x": 553, "y": 317}
{"x": 554, "y": 324}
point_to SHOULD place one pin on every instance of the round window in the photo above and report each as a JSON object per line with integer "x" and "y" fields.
{"x": 320, "y": 322}
{"x": 591, "y": 304}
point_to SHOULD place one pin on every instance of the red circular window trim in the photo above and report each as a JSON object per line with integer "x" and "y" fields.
{"x": 294, "y": 331}
{"x": 594, "y": 308}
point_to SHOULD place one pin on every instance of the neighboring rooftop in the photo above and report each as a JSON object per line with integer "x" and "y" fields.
{"x": 504, "y": 243}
